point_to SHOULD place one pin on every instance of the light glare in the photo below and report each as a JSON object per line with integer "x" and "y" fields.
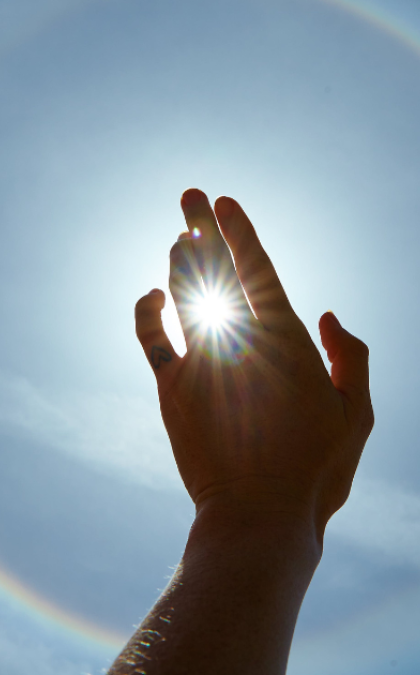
{"x": 212, "y": 310}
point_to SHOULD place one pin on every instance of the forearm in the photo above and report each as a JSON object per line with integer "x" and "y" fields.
{"x": 266, "y": 442}
{"x": 232, "y": 605}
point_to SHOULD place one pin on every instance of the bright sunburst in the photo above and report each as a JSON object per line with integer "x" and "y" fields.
{"x": 217, "y": 323}
{"x": 211, "y": 310}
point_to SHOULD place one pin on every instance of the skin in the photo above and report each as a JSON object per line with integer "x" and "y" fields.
{"x": 266, "y": 441}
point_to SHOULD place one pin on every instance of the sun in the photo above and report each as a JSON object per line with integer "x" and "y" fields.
{"x": 211, "y": 310}
{"x": 220, "y": 325}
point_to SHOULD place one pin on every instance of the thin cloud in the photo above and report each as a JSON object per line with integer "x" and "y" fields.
{"x": 118, "y": 433}
{"x": 381, "y": 517}
{"x": 126, "y": 434}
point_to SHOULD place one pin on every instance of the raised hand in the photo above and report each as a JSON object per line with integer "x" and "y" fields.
{"x": 256, "y": 422}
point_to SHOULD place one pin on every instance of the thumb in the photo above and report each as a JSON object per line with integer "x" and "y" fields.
{"x": 348, "y": 355}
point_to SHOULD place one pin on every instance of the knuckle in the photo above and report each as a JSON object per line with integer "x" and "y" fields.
{"x": 150, "y": 304}
{"x": 175, "y": 250}
{"x": 180, "y": 250}
{"x": 145, "y": 309}
{"x": 141, "y": 305}
{"x": 364, "y": 412}
{"x": 360, "y": 348}
{"x": 176, "y": 281}
{"x": 370, "y": 416}
{"x": 147, "y": 334}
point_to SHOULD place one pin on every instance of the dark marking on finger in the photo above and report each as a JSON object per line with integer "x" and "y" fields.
{"x": 158, "y": 355}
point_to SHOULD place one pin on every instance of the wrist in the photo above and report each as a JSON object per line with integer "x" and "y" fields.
{"x": 266, "y": 527}
{"x": 257, "y": 507}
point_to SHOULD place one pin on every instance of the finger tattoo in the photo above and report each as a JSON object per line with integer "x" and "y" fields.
{"x": 158, "y": 355}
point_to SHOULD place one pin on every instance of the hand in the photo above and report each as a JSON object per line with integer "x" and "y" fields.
{"x": 255, "y": 421}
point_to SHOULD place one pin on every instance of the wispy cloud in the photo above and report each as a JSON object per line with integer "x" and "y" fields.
{"x": 382, "y": 517}
{"x": 126, "y": 434}
{"x": 118, "y": 433}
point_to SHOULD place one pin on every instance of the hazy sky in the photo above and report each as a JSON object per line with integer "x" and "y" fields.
{"x": 305, "y": 111}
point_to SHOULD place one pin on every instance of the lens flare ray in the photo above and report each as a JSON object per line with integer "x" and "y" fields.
{"x": 220, "y": 322}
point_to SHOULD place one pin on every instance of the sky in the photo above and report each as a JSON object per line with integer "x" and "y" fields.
{"x": 305, "y": 111}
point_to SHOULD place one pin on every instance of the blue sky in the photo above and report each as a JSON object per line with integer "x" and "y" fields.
{"x": 308, "y": 115}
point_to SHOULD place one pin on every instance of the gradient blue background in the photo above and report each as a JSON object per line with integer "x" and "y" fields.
{"x": 309, "y": 116}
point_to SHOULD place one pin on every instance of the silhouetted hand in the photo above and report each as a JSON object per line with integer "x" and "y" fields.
{"x": 266, "y": 441}
{"x": 256, "y": 422}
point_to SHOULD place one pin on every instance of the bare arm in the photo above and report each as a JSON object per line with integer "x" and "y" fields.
{"x": 266, "y": 442}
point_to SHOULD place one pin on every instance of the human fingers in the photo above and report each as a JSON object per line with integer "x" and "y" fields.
{"x": 152, "y": 336}
{"x": 185, "y": 285}
{"x": 349, "y": 357}
{"x": 254, "y": 268}
{"x": 212, "y": 253}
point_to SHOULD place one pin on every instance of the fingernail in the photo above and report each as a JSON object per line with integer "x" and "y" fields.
{"x": 192, "y": 196}
{"x": 154, "y": 291}
{"x": 225, "y": 206}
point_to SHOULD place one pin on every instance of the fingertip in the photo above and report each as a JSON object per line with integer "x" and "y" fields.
{"x": 330, "y": 329}
{"x": 192, "y": 196}
{"x": 184, "y": 235}
{"x": 153, "y": 301}
{"x": 331, "y": 318}
{"x": 224, "y": 206}
{"x": 158, "y": 297}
